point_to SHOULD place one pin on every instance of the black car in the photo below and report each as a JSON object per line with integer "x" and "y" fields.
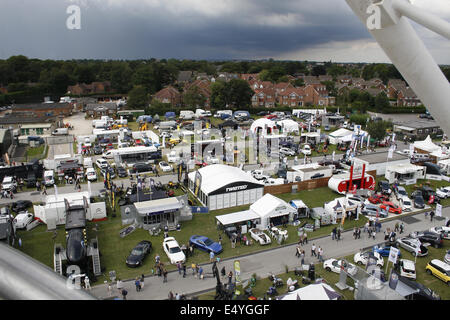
{"x": 138, "y": 254}
{"x": 231, "y": 231}
{"x": 97, "y": 149}
{"x": 384, "y": 187}
{"x": 263, "y": 113}
{"x": 122, "y": 172}
{"x": 141, "y": 167}
{"x": 420, "y": 292}
{"x": 31, "y": 180}
{"x": 419, "y": 202}
{"x": 427, "y": 192}
{"x": 429, "y": 237}
{"x": 21, "y": 205}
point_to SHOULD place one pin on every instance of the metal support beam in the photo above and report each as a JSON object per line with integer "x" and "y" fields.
{"x": 405, "y": 49}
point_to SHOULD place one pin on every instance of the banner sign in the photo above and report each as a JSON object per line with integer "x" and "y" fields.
{"x": 200, "y": 209}
{"x": 237, "y": 271}
{"x": 439, "y": 210}
{"x": 393, "y": 255}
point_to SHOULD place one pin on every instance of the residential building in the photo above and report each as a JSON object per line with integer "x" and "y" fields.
{"x": 418, "y": 129}
{"x": 292, "y": 97}
{"x": 97, "y": 110}
{"x": 169, "y": 95}
{"x": 184, "y": 76}
{"x": 92, "y": 88}
{"x": 264, "y": 98}
{"x": 204, "y": 88}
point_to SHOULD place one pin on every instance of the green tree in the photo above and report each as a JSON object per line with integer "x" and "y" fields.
{"x": 378, "y": 129}
{"x": 193, "y": 98}
{"x": 235, "y": 94}
{"x": 381, "y": 102}
{"x": 138, "y": 97}
{"x": 319, "y": 70}
{"x": 121, "y": 75}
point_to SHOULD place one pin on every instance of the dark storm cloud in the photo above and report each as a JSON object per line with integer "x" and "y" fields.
{"x": 119, "y": 29}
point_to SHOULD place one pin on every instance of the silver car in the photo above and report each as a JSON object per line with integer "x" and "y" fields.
{"x": 413, "y": 245}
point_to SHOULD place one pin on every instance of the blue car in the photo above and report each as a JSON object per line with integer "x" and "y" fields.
{"x": 384, "y": 251}
{"x": 205, "y": 244}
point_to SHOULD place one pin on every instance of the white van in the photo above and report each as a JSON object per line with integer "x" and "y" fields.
{"x": 187, "y": 115}
{"x": 49, "y": 178}
{"x": 60, "y": 132}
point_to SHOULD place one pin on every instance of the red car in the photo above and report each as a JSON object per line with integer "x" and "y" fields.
{"x": 270, "y": 116}
{"x": 200, "y": 163}
{"x": 378, "y": 198}
{"x": 392, "y": 207}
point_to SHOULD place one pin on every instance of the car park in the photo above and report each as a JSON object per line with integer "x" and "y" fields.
{"x": 335, "y": 266}
{"x": 205, "y": 244}
{"x": 138, "y": 254}
{"x": 432, "y": 238}
{"x": 407, "y": 268}
{"x": 439, "y": 269}
{"x": 443, "y": 231}
{"x": 413, "y": 245}
{"x": 173, "y": 250}
{"x": 260, "y": 236}
{"x": 91, "y": 174}
{"x": 362, "y": 258}
{"x": 165, "y": 167}
{"x": 23, "y": 219}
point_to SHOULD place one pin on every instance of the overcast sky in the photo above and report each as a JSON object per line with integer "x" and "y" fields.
{"x": 319, "y": 30}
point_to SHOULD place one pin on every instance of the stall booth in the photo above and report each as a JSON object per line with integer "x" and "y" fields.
{"x": 158, "y": 213}
{"x": 239, "y": 219}
{"x": 356, "y": 179}
{"x": 220, "y": 186}
{"x": 340, "y": 208}
{"x": 54, "y": 210}
{"x": 273, "y": 210}
{"x": 301, "y": 207}
{"x": 404, "y": 173}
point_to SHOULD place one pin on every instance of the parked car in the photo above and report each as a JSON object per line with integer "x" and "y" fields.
{"x": 230, "y": 231}
{"x": 9, "y": 184}
{"x": 419, "y": 291}
{"x": 121, "y": 172}
{"x": 260, "y": 236}
{"x": 419, "y": 203}
{"x": 141, "y": 167}
{"x": 101, "y": 163}
{"x": 165, "y": 167}
{"x": 97, "y": 149}
{"x": 91, "y": 175}
{"x": 391, "y": 207}
{"x": 378, "y": 198}
{"x": 439, "y": 269}
{"x": 31, "y": 179}
{"x": 406, "y": 204}
{"x": 432, "y": 238}
{"x": 173, "y": 250}
{"x": 362, "y": 258}
{"x": 384, "y": 251}
{"x": 336, "y": 266}
{"x": 400, "y": 192}
{"x": 104, "y": 171}
{"x": 413, "y": 245}
{"x": 447, "y": 257}
{"x": 407, "y": 268}
{"x": 287, "y": 152}
{"x": 306, "y": 150}
{"x": 21, "y": 205}
{"x": 372, "y": 210}
{"x": 443, "y": 193}
{"x": 384, "y": 187}
{"x": 172, "y": 157}
{"x": 138, "y": 254}
{"x": 23, "y": 219}
{"x": 443, "y": 231}
{"x": 205, "y": 244}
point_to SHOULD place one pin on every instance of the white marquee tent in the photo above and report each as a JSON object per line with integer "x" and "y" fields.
{"x": 318, "y": 291}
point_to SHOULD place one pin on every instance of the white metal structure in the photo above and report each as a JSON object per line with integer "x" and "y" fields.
{"x": 387, "y": 22}
{"x": 133, "y": 154}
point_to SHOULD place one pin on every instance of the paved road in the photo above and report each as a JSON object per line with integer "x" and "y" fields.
{"x": 262, "y": 263}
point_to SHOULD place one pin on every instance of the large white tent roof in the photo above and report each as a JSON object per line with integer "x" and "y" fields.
{"x": 289, "y": 125}
{"x": 426, "y": 145}
{"x": 342, "y": 132}
{"x": 262, "y": 123}
{"x": 318, "y": 291}
{"x": 217, "y": 176}
{"x": 237, "y": 217}
{"x": 267, "y": 204}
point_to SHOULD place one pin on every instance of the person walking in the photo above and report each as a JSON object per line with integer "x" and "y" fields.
{"x": 230, "y": 278}
{"x": 137, "y": 283}
{"x": 170, "y": 295}
{"x": 374, "y": 234}
{"x": 179, "y": 267}
{"x": 333, "y": 233}
{"x": 110, "y": 289}
{"x": 305, "y": 238}
{"x": 402, "y": 227}
{"x": 211, "y": 256}
{"x": 431, "y": 215}
{"x": 338, "y": 234}
{"x": 298, "y": 251}
{"x": 193, "y": 269}
{"x": 87, "y": 283}
{"x": 124, "y": 293}
{"x": 321, "y": 254}
{"x": 184, "y": 270}
{"x": 165, "y": 275}
{"x": 119, "y": 285}
{"x": 200, "y": 273}
{"x": 313, "y": 250}
{"x": 44, "y": 190}
{"x": 396, "y": 229}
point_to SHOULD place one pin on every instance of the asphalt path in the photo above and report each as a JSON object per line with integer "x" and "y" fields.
{"x": 262, "y": 263}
